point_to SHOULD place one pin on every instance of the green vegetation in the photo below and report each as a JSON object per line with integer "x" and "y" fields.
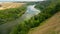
{"x": 46, "y": 13}
{"x": 11, "y": 14}
{"x": 42, "y": 5}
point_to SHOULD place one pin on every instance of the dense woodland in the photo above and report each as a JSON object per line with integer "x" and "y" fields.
{"x": 46, "y": 12}
{"x": 11, "y": 14}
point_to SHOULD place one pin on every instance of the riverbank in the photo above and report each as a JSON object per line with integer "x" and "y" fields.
{"x": 11, "y": 14}
{"x": 50, "y": 26}
{"x": 24, "y": 27}
{"x": 26, "y": 15}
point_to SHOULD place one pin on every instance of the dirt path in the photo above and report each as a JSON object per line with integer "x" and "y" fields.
{"x": 51, "y": 26}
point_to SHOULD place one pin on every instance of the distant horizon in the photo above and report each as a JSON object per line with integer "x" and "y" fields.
{"x": 18, "y": 0}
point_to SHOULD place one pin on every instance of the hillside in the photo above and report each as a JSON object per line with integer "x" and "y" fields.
{"x": 50, "y": 26}
{"x": 6, "y": 5}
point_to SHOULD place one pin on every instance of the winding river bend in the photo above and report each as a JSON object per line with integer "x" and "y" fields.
{"x": 30, "y": 12}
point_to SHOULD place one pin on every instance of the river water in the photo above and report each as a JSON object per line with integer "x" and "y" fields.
{"x": 30, "y": 12}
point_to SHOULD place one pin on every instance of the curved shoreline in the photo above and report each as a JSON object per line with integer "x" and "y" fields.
{"x": 27, "y": 15}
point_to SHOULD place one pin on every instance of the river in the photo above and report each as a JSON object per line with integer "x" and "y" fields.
{"x": 30, "y": 12}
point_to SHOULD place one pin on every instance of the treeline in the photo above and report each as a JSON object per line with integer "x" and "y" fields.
{"x": 11, "y": 14}
{"x": 35, "y": 21}
{"x": 42, "y": 5}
